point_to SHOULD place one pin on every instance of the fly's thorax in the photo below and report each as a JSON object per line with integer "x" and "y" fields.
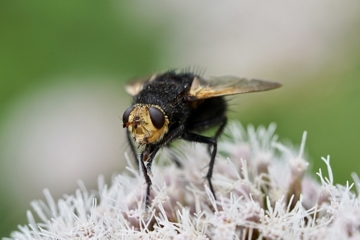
{"x": 147, "y": 123}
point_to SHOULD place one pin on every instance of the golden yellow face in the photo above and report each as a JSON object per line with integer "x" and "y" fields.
{"x": 147, "y": 123}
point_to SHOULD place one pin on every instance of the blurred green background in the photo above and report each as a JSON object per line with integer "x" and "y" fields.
{"x": 63, "y": 66}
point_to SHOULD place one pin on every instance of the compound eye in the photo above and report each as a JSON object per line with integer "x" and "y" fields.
{"x": 157, "y": 117}
{"x": 126, "y": 115}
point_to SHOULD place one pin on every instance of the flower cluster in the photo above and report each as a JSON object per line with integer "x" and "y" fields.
{"x": 263, "y": 192}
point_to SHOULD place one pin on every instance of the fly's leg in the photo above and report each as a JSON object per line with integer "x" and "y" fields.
{"x": 148, "y": 155}
{"x": 220, "y": 121}
{"x": 148, "y": 182}
{"x": 193, "y": 137}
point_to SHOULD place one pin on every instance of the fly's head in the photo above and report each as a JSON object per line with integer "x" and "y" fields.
{"x": 147, "y": 123}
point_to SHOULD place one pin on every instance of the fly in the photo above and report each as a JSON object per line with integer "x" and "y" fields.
{"x": 175, "y": 105}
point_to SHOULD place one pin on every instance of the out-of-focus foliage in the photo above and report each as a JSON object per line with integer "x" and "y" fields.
{"x": 41, "y": 42}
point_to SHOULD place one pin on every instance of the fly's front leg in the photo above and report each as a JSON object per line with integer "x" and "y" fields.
{"x": 150, "y": 160}
{"x": 164, "y": 142}
{"x": 148, "y": 183}
{"x": 148, "y": 155}
{"x": 211, "y": 142}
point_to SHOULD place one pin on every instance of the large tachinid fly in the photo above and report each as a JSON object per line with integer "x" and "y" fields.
{"x": 176, "y": 105}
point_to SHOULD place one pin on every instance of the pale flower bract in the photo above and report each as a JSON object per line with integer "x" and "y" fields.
{"x": 262, "y": 187}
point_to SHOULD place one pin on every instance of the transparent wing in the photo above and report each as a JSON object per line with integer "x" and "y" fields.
{"x": 136, "y": 85}
{"x": 227, "y": 85}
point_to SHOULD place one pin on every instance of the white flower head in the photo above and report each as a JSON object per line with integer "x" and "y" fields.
{"x": 262, "y": 188}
